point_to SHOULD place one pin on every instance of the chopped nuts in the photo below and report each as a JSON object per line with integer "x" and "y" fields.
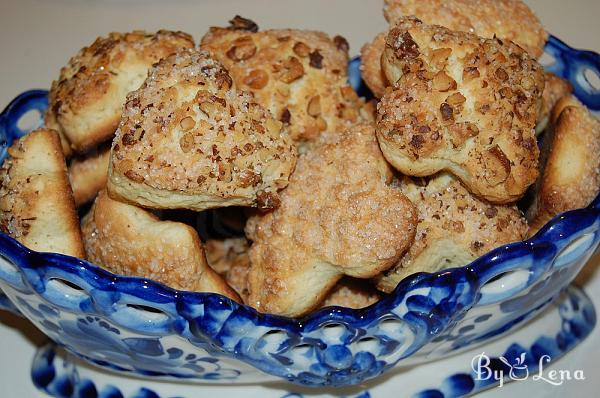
{"x": 316, "y": 59}
{"x": 527, "y": 82}
{"x": 223, "y": 80}
{"x": 248, "y": 178}
{"x": 187, "y": 123}
{"x": 284, "y": 91}
{"x": 491, "y": 212}
{"x": 133, "y": 176}
{"x": 292, "y": 70}
{"x": 256, "y": 79}
{"x": 267, "y": 200}
{"x": 341, "y": 43}
{"x": 443, "y": 82}
{"x": 224, "y": 172}
{"x": 208, "y": 108}
{"x": 446, "y": 111}
{"x": 470, "y": 73}
{"x": 425, "y": 75}
{"x": 456, "y": 99}
{"x": 286, "y": 116}
{"x": 273, "y": 127}
{"x": 456, "y": 226}
{"x": 349, "y": 94}
{"x": 301, "y": 49}
{"x": 240, "y": 23}
{"x": 404, "y": 45}
{"x": 314, "y": 106}
{"x": 440, "y": 55}
{"x": 129, "y": 139}
{"x": 501, "y": 74}
{"x": 186, "y": 142}
{"x": 417, "y": 141}
{"x": 497, "y": 165}
{"x": 243, "y": 48}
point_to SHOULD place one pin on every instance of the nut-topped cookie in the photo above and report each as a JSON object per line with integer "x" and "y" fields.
{"x": 337, "y": 217}
{"x": 189, "y": 139}
{"x": 463, "y": 104}
{"x": 505, "y": 19}
{"x": 298, "y": 75}
{"x": 454, "y": 228}
{"x": 36, "y": 201}
{"x": 88, "y": 97}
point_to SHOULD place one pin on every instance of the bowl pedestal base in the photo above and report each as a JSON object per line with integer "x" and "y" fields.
{"x": 560, "y": 327}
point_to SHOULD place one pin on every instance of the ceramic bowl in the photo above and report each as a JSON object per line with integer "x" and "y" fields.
{"x": 138, "y": 326}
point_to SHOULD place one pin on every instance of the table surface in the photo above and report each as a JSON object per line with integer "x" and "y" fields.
{"x": 37, "y": 37}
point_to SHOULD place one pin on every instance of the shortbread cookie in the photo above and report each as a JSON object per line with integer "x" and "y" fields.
{"x": 463, "y": 104}
{"x": 131, "y": 241}
{"x": 506, "y": 19}
{"x": 88, "y": 97}
{"x": 337, "y": 217}
{"x": 454, "y": 228}
{"x": 298, "y": 75}
{"x": 36, "y": 202}
{"x": 189, "y": 139}
{"x": 554, "y": 89}
{"x": 571, "y": 170}
{"x": 372, "y": 74}
{"x": 88, "y": 174}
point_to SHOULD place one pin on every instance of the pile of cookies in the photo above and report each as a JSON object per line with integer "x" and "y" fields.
{"x": 342, "y": 197}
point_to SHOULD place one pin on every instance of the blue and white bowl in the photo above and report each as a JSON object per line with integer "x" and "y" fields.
{"x": 138, "y": 326}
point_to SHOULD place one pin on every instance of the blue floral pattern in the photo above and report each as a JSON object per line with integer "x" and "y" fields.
{"x": 568, "y": 321}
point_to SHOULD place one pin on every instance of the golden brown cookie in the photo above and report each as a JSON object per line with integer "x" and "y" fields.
{"x": 298, "y": 75}
{"x": 554, "y": 89}
{"x": 189, "y": 139}
{"x": 88, "y": 97}
{"x": 454, "y": 228}
{"x": 337, "y": 217}
{"x": 88, "y": 174}
{"x": 372, "y": 74}
{"x": 229, "y": 258}
{"x": 51, "y": 123}
{"x": 571, "y": 170}
{"x": 131, "y": 241}
{"x": 506, "y": 19}
{"x": 351, "y": 293}
{"x": 463, "y": 104}
{"x": 36, "y": 202}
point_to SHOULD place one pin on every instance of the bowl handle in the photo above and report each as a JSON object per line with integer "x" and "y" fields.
{"x": 36, "y": 100}
{"x": 7, "y": 305}
{"x": 576, "y": 66}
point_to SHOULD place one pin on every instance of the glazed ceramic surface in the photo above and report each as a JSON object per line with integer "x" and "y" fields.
{"x": 137, "y": 326}
{"x": 561, "y": 326}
